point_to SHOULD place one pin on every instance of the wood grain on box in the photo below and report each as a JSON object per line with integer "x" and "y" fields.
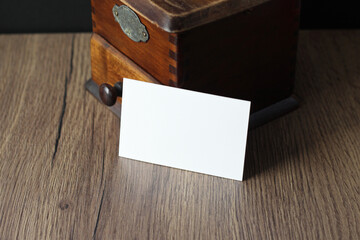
{"x": 249, "y": 55}
{"x": 182, "y": 15}
{"x": 110, "y": 66}
{"x": 153, "y": 56}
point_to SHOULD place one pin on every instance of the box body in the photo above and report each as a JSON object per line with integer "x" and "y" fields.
{"x": 249, "y": 55}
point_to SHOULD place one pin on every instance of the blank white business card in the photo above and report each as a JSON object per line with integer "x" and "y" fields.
{"x": 183, "y": 129}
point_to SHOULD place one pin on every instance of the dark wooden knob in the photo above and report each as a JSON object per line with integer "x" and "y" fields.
{"x": 109, "y": 94}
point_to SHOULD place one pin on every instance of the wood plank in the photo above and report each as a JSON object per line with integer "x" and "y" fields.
{"x": 60, "y": 177}
{"x": 53, "y": 159}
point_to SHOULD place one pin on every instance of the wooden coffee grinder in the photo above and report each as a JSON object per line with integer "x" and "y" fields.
{"x": 243, "y": 49}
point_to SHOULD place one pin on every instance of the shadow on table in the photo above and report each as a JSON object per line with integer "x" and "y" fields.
{"x": 327, "y": 83}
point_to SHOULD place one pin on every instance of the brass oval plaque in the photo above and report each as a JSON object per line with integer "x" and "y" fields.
{"x": 130, "y": 23}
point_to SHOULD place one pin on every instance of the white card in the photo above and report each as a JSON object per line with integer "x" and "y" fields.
{"x": 183, "y": 129}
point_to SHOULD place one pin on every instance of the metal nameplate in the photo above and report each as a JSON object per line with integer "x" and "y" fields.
{"x": 130, "y": 23}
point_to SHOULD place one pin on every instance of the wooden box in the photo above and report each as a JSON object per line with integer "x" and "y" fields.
{"x": 243, "y": 49}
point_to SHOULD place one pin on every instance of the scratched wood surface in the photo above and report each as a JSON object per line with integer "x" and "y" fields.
{"x": 156, "y": 48}
{"x": 181, "y": 15}
{"x": 60, "y": 177}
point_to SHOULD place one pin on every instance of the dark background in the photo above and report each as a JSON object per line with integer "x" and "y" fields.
{"x": 74, "y": 15}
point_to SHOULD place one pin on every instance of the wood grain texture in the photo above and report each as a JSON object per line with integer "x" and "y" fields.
{"x": 152, "y": 56}
{"x": 110, "y": 66}
{"x": 52, "y": 180}
{"x": 248, "y": 56}
{"x": 180, "y": 15}
{"x": 60, "y": 177}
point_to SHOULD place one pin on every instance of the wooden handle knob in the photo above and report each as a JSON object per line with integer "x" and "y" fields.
{"x": 109, "y": 94}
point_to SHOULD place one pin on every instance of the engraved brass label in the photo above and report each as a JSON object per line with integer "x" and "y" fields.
{"x": 130, "y": 23}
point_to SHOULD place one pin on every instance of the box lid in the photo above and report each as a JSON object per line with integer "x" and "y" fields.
{"x": 181, "y": 15}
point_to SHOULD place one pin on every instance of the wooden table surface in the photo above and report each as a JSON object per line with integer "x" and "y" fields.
{"x": 60, "y": 177}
